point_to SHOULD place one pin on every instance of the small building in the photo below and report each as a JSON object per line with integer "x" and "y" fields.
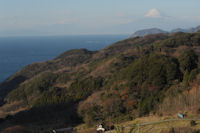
{"x": 180, "y": 115}
{"x": 100, "y": 128}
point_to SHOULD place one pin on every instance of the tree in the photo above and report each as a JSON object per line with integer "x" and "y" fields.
{"x": 188, "y": 60}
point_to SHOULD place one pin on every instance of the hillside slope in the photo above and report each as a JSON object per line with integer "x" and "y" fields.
{"x": 126, "y": 80}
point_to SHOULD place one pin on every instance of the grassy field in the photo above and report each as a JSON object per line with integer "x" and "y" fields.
{"x": 155, "y": 124}
{"x": 151, "y": 124}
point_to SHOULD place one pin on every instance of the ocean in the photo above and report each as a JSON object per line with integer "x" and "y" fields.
{"x": 17, "y": 52}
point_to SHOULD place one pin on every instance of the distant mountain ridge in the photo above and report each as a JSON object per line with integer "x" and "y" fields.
{"x": 144, "y": 32}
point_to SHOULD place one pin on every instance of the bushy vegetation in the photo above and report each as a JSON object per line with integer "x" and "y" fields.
{"x": 78, "y": 90}
{"x": 186, "y": 39}
{"x": 107, "y": 107}
{"x": 52, "y": 96}
{"x": 193, "y": 123}
{"x": 81, "y": 89}
{"x": 148, "y": 77}
{"x": 153, "y": 70}
{"x": 39, "y": 84}
{"x": 188, "y": 65}
{"x": 188, "y": 61}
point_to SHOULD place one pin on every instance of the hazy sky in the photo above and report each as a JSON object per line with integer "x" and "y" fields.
{"x": 67, "y": 17}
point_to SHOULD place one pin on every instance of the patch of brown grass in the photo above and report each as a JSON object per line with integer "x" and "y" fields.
{"x": 88, "y": 131}
{"x": 179, "y": 130}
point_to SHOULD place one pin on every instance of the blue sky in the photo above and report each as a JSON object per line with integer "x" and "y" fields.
{"x": 69, "y": 17}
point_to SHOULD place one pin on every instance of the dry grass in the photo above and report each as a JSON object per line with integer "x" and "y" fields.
{"x": 103, "y": 68}
{"x": 179, "y": 130}
{"x": 88, "y": 131}
{"x": 84, "y": 129}
{"x": 162, "y": 127}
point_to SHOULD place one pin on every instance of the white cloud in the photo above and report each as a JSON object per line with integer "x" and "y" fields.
{"x": 153, "y": 13}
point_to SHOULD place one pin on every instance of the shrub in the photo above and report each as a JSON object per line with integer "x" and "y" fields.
{"x": 172, "y": 130}
{"x": 193, "y": 74}
{"x": 193, "y": 123}
{"x": 81, "y": 89}
{"x": 198, "y": 110}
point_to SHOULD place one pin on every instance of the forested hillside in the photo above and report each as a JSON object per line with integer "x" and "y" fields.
{"x": 126, "y": 80}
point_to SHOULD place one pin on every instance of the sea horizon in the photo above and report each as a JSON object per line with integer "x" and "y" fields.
{"x": 19, "y": 51}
